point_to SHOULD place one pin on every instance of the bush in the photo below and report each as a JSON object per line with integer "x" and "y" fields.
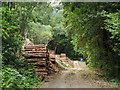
{"x": 11, "y": 78}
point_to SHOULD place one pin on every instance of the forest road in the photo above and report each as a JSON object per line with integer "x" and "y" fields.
{"x": 77, "y": 78}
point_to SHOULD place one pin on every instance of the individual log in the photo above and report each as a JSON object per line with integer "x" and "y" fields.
{"x": 42, "y": 61}
{"x": 39, "y": 63}
{"x": 36, "y": 52}
{"x": 36, "y": 49}
{"x": 49, "y": 62}
{"x": 32, "y": 55}
{"x": 62, "y": 55}
{"x": 34, "y": 46}
{"x": 66, "y": 61}
{"x": 39, "y": 66}
{"x": 52, "y": 59}
{"x": 41, "y": 70}
{"x": 41, "y": 73}
{"x": 52, "y": 56}
{"x": 37, "y": 59}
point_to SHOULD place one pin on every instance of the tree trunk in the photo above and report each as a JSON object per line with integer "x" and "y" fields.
{"x": 14, "y": 5}
{"x": 8, "y": 4}
{"x": 11, "y": 5}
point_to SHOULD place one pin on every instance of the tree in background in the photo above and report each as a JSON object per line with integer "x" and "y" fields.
{"x": 47, "y": 28}
{"x": 60, "y": 43}
{"x": 39, "y": 34}
{"x": 23, "y": 12}
{"x": 40, "y": 29}
{"x": 85, "y": 24}
{"x": 16, "y": 73}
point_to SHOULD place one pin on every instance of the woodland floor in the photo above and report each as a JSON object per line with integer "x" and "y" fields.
{"x": 77, "y": 77}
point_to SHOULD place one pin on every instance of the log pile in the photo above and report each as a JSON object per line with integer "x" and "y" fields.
{"x": 51, "y": 55}
{"x": 65, "y": 59}
{"x": 51, "y": 64}
{"x": 38, "y": 55}
{"x": 43, "y": 59}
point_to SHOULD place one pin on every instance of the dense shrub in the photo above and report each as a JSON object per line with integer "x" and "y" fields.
{"x": 16, "y": 73}
{"x": 95, "y": 32}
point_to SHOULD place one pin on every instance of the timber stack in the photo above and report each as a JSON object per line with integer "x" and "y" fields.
{"x": 38, "y": 55}
{"x": 65, "y": 59}
{"x": 52, "y": 62}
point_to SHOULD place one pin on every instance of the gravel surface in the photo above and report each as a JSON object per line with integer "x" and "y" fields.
{"x": 77, "y": 78}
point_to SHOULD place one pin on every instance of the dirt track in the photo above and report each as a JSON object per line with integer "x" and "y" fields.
{"x": 77, "y": 78}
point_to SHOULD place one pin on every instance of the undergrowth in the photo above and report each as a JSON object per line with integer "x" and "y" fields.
{"x": 22, "y": 76}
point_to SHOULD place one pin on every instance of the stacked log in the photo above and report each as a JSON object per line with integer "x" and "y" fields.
{"x": 52, "y": 62}
{"x": 65, "y": 59}
{"x": 51, "y": 56}
{"x": 38, "y": 56}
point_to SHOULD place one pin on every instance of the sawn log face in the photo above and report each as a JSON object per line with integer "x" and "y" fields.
{"x": 38, "y": 56}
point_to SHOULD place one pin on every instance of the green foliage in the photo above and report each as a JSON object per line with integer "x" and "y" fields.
{"x": 58, "y": 30}
{"x": 60, "y": 43}
{"x": 16, "y": 73}
{"x": 47, "y": 28}
{"x": 11, "y": 38}
{"x": 42, "y": 13}
{"x": 95, "y": 35}
{"x": 114, "y": 81}
{"x": 22, "y": 12}
{"x": 91, "y": 30}
{"x": 40, "y": 28}
{"x": 11, "y": 78}
{"x": 40, "y": 34}
{"x": 113, "y": 26}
